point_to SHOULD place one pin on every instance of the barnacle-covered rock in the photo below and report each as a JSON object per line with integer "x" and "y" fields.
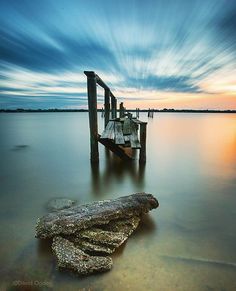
{"x": 73, "y": 219}
{"x": 80, "y": 232}
{"x": 72, "y": 258}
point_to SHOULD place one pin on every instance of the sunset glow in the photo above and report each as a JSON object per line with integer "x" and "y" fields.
{"x": 150, "y": 55}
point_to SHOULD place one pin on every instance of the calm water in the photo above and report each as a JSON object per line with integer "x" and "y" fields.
{"x": 188, "y": 243}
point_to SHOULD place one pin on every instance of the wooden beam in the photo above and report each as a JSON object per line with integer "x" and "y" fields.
{"x": 92, "y": 108}
{"x": 116, "y": 149}
{"x": 101, "y": 83}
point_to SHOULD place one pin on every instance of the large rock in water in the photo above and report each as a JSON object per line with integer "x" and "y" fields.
{"x": 98, "y": 228}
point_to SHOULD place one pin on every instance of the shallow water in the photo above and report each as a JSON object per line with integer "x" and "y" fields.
{"x": 188, "y": 243}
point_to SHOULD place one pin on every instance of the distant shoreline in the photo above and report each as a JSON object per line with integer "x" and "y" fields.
{"x": 130, "y": 110}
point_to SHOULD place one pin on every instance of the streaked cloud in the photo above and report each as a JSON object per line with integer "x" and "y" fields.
{"x": 149, "y": 52}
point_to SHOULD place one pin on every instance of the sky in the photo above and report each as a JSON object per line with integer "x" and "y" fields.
{"x": 152, "y": 53}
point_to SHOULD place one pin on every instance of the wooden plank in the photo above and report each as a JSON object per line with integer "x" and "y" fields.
{"x": 127, "y": 126}
{"x": 119, "y": 138}
{"x": 134, "y": 142}
{"x": 109, "y": 133}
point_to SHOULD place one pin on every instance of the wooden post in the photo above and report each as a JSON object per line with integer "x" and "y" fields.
{"x": 113, "y": 107}
{"x": 143, "y": 136}
{"x": 122, "y": 110}
{"x": 107, "y": 106}
{"x": 92, "y": 108}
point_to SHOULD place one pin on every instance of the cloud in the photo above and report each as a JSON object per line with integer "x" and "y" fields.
{"x": 226, "y": 28}
{"x": 168, "y": 83}
{"x": 152, "y": 46}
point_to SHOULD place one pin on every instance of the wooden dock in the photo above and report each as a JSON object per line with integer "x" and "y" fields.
{"x": 120, "y": 132}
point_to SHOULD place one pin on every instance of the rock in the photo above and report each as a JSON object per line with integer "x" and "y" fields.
{"x": 70, "y": 257}
{"x": 127, "y": 226}
{"x": 92, "y": 247}
{"x": 56, "y": 204}
{"x": 82, "y": 231}
{"x": 73, "y": 219}
{"x": 105, "y": 240}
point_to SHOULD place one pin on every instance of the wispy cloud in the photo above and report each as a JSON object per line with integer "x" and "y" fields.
{"x": 141, "y": 48}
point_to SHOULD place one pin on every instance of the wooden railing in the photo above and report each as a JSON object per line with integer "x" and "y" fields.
{"x": 110, "y": 106}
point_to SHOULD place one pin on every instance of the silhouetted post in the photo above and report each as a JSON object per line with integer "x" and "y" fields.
{"x": 113, "y": 107}
{"x": 92, "y": 108}
{"x": 107, "y": 106}
{"x": 143, "y": 136}
{"x": 122, "y": 110}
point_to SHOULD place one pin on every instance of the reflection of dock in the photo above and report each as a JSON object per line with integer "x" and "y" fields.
{"x": 119, "y": 133}
{"x": 116, "y": 169}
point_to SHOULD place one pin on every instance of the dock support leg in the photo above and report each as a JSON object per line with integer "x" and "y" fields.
{"x": 93, "y": 124}
{"x": 107, "y": 106}
{"x": 122, "y": 110}
{"x": 143, "y": 136}
{"x": 113, "y": 107}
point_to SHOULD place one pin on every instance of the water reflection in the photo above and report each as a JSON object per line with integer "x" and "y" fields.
{"x": 104, "y": 174}
{"x": 190, "y": 168}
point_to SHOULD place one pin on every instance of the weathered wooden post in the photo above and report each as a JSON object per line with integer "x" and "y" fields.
{"x": 143, "y": 136}
{"x": 92, "y": 108}
{"x": 113, "y": 106}
{"x": 122, "y": 110}
{"x": 107, "y": 106}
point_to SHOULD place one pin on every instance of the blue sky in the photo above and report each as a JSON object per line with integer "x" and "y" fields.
{"x": 176, "y": 53}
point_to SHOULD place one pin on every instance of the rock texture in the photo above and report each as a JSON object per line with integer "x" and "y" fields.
{"x": 82, "y": 231}
{"x": 70, "y": 257}
{"x": 73, "y": 219}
